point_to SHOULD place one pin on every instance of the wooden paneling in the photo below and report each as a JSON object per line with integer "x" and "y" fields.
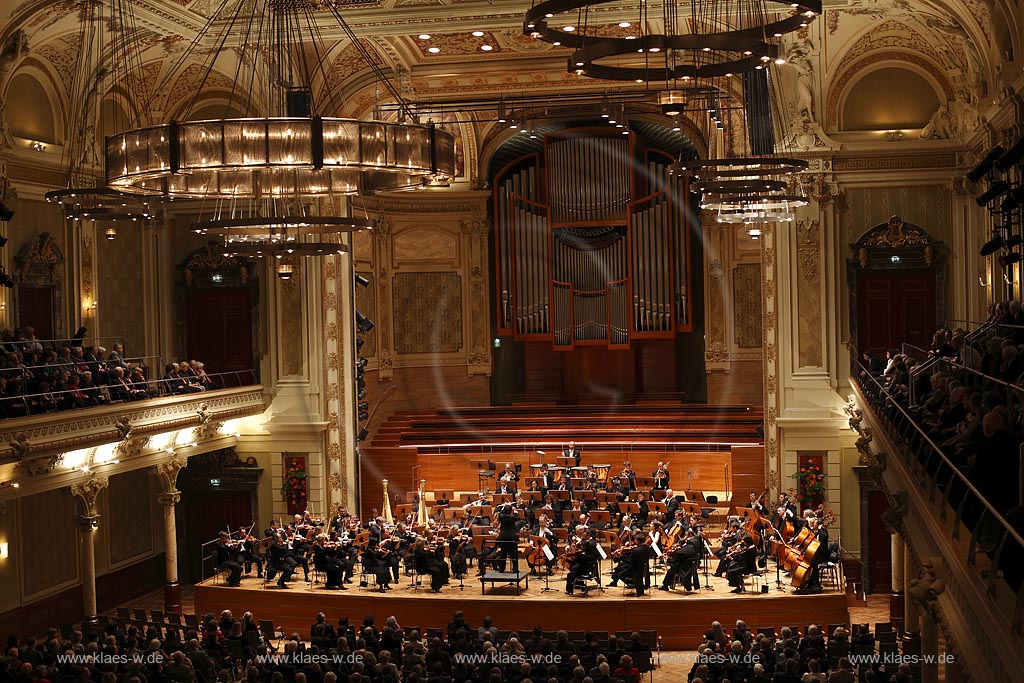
{"x": 65, "y": 607}
{"x": 219, "y": 328}
{"x": 895, "y": 306}
{"x": 129, "y": 509}
{"x": 747, "y": 471}
{"x": 49, "y": 515}
{"x": 680, "y": 620}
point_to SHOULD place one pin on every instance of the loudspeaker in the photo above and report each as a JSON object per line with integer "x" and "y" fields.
{"x": 764, "y": 588}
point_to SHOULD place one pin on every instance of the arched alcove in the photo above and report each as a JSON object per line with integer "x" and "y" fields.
{"x": 30, "y": 113}
{"x": 872, "y": 103}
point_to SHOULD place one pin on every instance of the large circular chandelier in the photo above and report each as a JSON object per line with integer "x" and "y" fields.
{"x": 668, "y": 40}
{"x": 748, "y": 190}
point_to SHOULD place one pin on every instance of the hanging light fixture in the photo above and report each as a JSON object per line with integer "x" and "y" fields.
{"x": 272, "y": 177}
{"x": 696, "y": 40}
{"x": 83, "y": 198}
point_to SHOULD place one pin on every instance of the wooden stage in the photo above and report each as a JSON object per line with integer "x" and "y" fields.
{"x": 679, "y": 618}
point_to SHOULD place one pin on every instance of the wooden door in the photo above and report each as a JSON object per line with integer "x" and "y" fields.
{"x": 35, "y": 309}
{"x": 219, "y": 328}
{"x": 895, "y": 306}
{"x": 879, "y": 573}
{"x": 201, "y": 515}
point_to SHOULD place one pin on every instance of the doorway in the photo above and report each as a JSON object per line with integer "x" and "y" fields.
{"x": 219, "y": 328}
{"x": 879, "y": 569}
{"x": 895, "y": 306}
{"x": 35, "y": 309}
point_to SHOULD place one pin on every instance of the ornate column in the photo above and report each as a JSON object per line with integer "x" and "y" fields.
{"x": 911, "y": 617}
{"x": 892, "y": 517}
{"x": 168, "y": 497}
{"x": 924, "y": 593}
{"x": 87, "y": 493}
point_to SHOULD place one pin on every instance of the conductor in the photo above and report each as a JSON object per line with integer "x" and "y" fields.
{"x": 508, "y": 537}
{"x": 572, "y": 451}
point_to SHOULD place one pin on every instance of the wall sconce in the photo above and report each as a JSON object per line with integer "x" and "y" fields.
{"x": 894, "y": 135}
{"x": 110, "y": 233}
{"x": 5, "y": 550}
{"x": 38, "y": 146}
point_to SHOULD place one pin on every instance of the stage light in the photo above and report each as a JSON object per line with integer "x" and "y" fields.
{"x": 362, "y": 280}
{"x": 1013, "y": 241}
{"x": 3, "y": 241}
{"x": 1010, "y": 202}
{"x": 6, "y": 212}
{"x": 364, "y": 416}
{"x": 1010, "y": 156}
{"x": 363, "y": 405}
{"x": 992, "y": 246}
{"x": 361, "y": 363}
{"x": 359, "y": 343}
{"x": 985, "y": 165}
{"x": 361, "y": 395}
{"x": 362, "y": 322}
{"x": 1011, "y": 258}
{"x": 363, "y": 433}
{"x": 994, "y": 191}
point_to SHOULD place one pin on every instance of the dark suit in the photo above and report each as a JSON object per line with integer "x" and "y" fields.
{"x": 573, "y": 453}
{"x": 585, "y": 563}
{"x": 278, "y": 561}
{"x": 508, "y": 537}
{"x": 225, "y": 563}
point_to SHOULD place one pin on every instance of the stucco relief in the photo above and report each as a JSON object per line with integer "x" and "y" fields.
{"x": 808, "y": 287}
{"x": 424, "y": 245}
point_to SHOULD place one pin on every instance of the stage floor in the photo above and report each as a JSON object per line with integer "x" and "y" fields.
{"x": 679, "y": 618}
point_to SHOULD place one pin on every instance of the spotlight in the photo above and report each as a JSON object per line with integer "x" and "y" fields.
{"x": 361, "y": 363}
{"x": 359, "y": 343}
{"x": 1013, "y": 241}
{"x": 362, "y": 322}
{"x": 992, "y": 246}
{"x": 363, "y": 405}
{"x": 6, "y": 212}
{"x": 360, "y": 383}
{"x": 6, "y": 281}
{"x": 362, "y": 280}
{"x": 985, "y": 165}
{"x": 363, "y": 433}
{"x": 361, "y": 395}
{"x": 1012, "y": 257}
{"x": 364, "y": 416}
{"x": 1010, "y": 157}
{"x": 3, "y": 241}
{"x": 994, "y": 191}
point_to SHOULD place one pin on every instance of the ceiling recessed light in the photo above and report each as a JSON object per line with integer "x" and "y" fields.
{"x": 707, "y": 49}
{"x": 569, "y": 29}
{"x": 624, "y": 24}
{"x": 478, "y": 34}
{"x": 433, "y": 50}
{"x": 557, "y": 43}
{"x": 424, "y": 36}
{"x": 630, "y": 37}
{"x": 655, "y": 49}
{"x": 486, "y": 48}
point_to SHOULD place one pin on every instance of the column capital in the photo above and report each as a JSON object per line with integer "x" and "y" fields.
{"x": 88, "y": 492}
{"x": 169, "y": 498}
{"x": 924, "y": 591}
{"x": 167, "y": 471}
{"x": 87, "y": 523}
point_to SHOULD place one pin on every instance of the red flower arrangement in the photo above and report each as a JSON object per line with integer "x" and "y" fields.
{"x": 293, "y": 484}
{"x": 810, "y": 485}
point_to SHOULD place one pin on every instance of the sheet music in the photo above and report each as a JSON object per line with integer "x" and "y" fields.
{"x": 601, "y": 552}
{"x": 547, "y": 553}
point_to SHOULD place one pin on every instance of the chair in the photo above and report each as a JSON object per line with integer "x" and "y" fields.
{"x": 173, "y": 618}
{"x": 236, "y": 651}
{"x": 270, "y": 632}
{"x": 123, "y": 613}
{"x": 883, "y": 627}
{"x": 627, "y": 678}
{"x": 66, "y": 630}
{"x": 192, "y": 621}
{"x": 766, "y": 631}
{"x": 643, "y": 662}
{"x": 156, "y": 616}
{"x": 581, "y": 584}
{"x": 365, "y": 577}
{"x": 140, "y": 614}
{"x": 415, "y": 579}
{"x": 485, "y": 476}
{"x": 831, "y": 568}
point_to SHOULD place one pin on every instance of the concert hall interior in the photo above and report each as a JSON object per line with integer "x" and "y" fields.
{"x": 661, "y": 335}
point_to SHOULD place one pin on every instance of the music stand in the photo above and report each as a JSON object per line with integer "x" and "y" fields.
{"x": 629, "y": 508}
{"x": 605, "y": 498}
{"x": 531, "y": 496}
{"x": 644, "y": 483}
{"x": 560, "y": 495}
{"x": 601, "y": 517}
{"x": 528, "y": 482}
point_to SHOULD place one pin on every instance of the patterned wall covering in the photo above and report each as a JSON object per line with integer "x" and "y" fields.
{"x": 428, "y": 312}
{"x": 129, "y": 515}
{"x": 55, "y": 561}
{"x": 119, "y": 274}
{"x": 927, "y": 206}
{"x": 747, "y": 304}
{"x": 366, "y": 302}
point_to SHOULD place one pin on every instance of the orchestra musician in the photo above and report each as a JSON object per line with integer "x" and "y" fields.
{"x": 785, "y": 511}
{"x": 592, "y": 482}
{"x": 585, "y": 558}
{"x": 509, "y": 474}
{"x": 671, "y": 503}
{"x": 506, "y": 486}
{"x": 224, "y": 561}
{"x": 427, "y": 563}
{"x": 339, "y": 520}
{"x": 741, "y": 559}
{"x": 374, "y": 562}
{"x": 278, "y": 560}
{"x": 275, "y": 526}
{"x": 683, "y": 561}
{"x": 460, "y": 550}
{"x": 813, "y": 582}
{"x": 756, "y": 505}
{"x": 544, "y": 530}
{"x": 547, "y": 479}
{"x": 328, "y": 563}
{"x": 661, "y": 476}
{"x": 627, "y": 477}
{"x": 247, "y": 554}
{"x": 645, "y": 509}
{"x": 572, "y": 451}
{"x": 728, "y": 538}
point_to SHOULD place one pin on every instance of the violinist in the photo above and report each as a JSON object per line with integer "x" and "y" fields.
{"x": 623, "y": 557}
{"x": 645, "y": 509}
{"x": 279, "y": 561}
{"x": 224, "y": 561}
{"x": 339, "y": 547}
{"x": 661, "y": 476}
{"x": 460, "y": 550}
{"x": 741, "y": 559}
{"x": 572, "y": 451}
{"x": 329, "y": 564}
{"x": 728, "y": 538}
{"x": 247, "y": 554}
{"x": 683, "y": 560}
{"x": 584, "y": 558}
{"x": 376, "y": 528}
{"x": 299, "y": 525}
{"x": 640, "y": 563}
{"x": 427, "y": 563}
{"x": 339, "y": 520}
{"x": 374, "y": 562}
{"x": 275, "y": 526}
{"x": 299, "y": 553}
